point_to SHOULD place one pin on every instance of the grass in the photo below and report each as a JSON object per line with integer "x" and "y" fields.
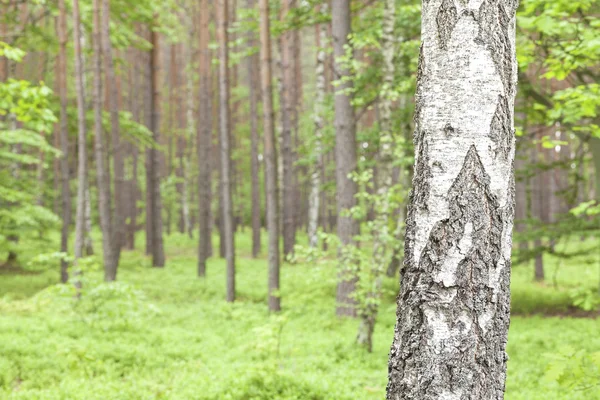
{"x": 193, "y": 345}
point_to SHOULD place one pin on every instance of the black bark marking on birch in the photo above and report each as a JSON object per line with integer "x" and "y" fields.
{"x": 446, "y": 19}
{"x": 493, "y": 33}
{"x": 464, "y": 306}
{"x": 500, "y": 130}
{"x": 419, "y": 89}
{"x": 422, "y": 176}
{"x": 449, "y": 130}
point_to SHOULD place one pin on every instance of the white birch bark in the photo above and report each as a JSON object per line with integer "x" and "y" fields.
{"x": 315, "y": 174}
{"x": 453, "y": 308}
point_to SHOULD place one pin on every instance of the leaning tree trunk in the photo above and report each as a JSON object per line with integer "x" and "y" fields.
{"x": 224, "y": 115}
{"x": 385, "y": 166}
{"x": 64, "y": 138}
{"x": 345, "y": 153}
{"x": 314, "y": 196}
{"x": 270, "y": 156}
{"x": 204, "y": 141}
{"x": 454, "y": 305}
{"x": 102, "y": 172}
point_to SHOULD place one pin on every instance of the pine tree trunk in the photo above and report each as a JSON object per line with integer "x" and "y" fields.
{"x": 270, "y": 158}
{"x": 190, "y": 123}
{"x": 537, "y": 211}
{"x": 454, "y": 304}
{"x": 157, "y": 249}
{"x": 314, "y": 196}
{"x": 204, "y": 141}
{"x": 224, "y": 116}
{"x": 252, "y": 65}
{"x": 102, "y": 173}
{"x": 345, "y": 152}
{"x": 82, "y": 178}
{"x": 118, "y": 217}
{"x": 287, "y": 155}
{"x": 61, "y": 67}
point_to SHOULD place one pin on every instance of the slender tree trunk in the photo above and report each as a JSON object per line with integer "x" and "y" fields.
{"x": 133, "y": 183}
{"x": 345, "y": 153}
{"x": 287, "y": 155}
{"x": 270, "y": 151}
{"x": 252, "y": 63}
{"x": 385, "y": 167}
{"x": 537, "y": 203}
{"x": 190, "y": 123}
{"x": 118, "y": 221}
{"x": 227, "y": 215}
{"x": 102, "y": 173}
{"x": 82, "y": 178}
{"x": 204, "y": 141}
{"x": 64, "y": 137}
{"x": 319, "y": 109}
{"x": 158, "y": 253}
{"x": 454, "y": 302}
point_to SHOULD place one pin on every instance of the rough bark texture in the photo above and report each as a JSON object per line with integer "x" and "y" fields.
{"x": 118, "y": 216}
{"x": 204, "y": 141}
{"x": 453, "y": 307}
{"x": 82, "y": 184}
{"x": 227, "y": 205}
{"x": 61, "y": 69}
{"x": 270, "y": 156}
{"x": 287, "y": 115}
{"x": 345, "y": 150}
{"x": 252, "y": 63}
{"x": 314, "y": 197}
{"x": 102, "y": 172}
{"x": 157, "y": 247}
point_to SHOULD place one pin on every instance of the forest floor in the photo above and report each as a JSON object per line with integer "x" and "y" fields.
{"x": 165, "y": 334}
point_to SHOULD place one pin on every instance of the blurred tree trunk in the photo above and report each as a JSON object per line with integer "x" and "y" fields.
{"x": 118, "y": 224}
{"x": 224, "y": 116}
{"x": 252, "y": 66}
{"x": 314, "y": 198}
{"x": 133, "y": 183}
{"x": 345, "y": 152}
{"x": 270, "y": 152}
{"x": 61, "y": 77}
{"x": 82, "y": 178}
{"x": 153, "y": 167}
{"x": 287, "y": 111}
{"x": 537, "y": 209}
{"x": 102, "y": 172}
{"x": 454, "y": 303}
{"x": 204, "y": 141}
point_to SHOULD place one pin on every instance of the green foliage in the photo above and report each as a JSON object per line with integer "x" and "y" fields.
{"x": 574, "y": 370}
{"x": 585, "y": 298}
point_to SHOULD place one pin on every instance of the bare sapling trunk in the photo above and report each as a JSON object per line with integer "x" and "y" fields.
{"x": 345, "y": 154}
{"x": 226, "y": 172}
{"x": 270, "y": 152}
{"x": 385, "y": 166}
{"x": 314, "y": 196}
{"x": 454, "y": 303}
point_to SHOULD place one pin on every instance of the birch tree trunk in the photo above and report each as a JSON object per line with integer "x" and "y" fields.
{"x": 381, "y": 233}
{"x": 270, "y": 151}
{"x": 345, "y": 151}
{"x": 102, "y": 173}
{"x": 82, "y": 184}
{"x": 204, "y": 141}
{"x": 252, "y": 63}
{"x": 61, "y": 69}
{"x": 314, "y": 196}
{"x": 454, "y": 304}
{"x": 224, "y": 116}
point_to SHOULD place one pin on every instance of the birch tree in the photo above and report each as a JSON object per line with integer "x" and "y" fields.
{"x": 454, "y": 304}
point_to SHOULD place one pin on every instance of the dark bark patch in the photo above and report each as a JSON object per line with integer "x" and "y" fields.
{"x": 493, "y": 33}
{"x": 446, "y": 19}
{"x": 423, "y": 175}
{"x": 500, "y": 130}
